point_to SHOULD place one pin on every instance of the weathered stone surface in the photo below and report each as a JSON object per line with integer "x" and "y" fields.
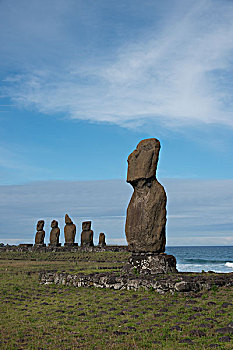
{"x": 69, "y": 230}
{"x": 183, "y": 286}
{"x": 39, "y": 239}
{"x": 151, "y": 263}
{"x": 86, "y": 225}
{"x": 142, "y": 162}
{"x": 146, "y": 213}
{"x": 228, "y": 330}
{"x": 40, "y": 234}
{"x": 67, "y": 248}
{"x": 40, "y": 225}
{"x": 102, "y": 241}
{"x": 161, "y": 283}
{"x": 87, "y": 234}
{"x": 54, "y": 233}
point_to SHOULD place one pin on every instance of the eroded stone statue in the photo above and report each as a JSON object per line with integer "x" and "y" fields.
{"x": 54, "y": 234}
{"x": 87, "y": 234}
{"x": 40, "y": 234}
{"x": 102, "y": 241}
{"x": 145, "y": 226}
{"x": 146, "y": 213}
{"x": 69, "y": 230}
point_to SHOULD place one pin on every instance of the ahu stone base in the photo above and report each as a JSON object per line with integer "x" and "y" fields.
{"x": 175, "y": 282}
{"x": 71, "y": 244}
{"x": 151, "y": 263}
{"x": 70, "y": 247}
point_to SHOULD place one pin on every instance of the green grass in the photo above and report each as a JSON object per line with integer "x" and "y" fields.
{"x": 35, "y": 316}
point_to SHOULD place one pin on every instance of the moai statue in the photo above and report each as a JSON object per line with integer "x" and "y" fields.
{"x": 40, "y": 234}
{"x": 102, "y": 242}
{"x": 146, "y": 213}
{"x": 69, "y": 231}
{"x": 145, "y": 226}
{"x": 87, "y": 234}
{"x": 54, "y": 234}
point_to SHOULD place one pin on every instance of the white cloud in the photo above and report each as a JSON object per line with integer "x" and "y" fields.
{"x": 177, "y": 72}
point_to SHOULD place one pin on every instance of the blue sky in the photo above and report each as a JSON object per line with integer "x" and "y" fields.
{"x": 82, "y": 82}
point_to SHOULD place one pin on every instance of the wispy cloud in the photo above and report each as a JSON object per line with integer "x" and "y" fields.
{"x": 177, "y": 71}
{"x": 199, "y": 212}
{"x": 13, "y": 164}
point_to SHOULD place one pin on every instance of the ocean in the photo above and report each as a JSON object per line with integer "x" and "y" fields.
{"x": 197, "y": 259}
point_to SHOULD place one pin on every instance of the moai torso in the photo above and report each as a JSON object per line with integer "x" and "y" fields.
{"x": 87, "y": 234}
{"x": 69, "y": 230}
{"x": 102, "y": 239}
{"x": 146, "y": 213}
{"x": 40, "y": 234}
{"x": 54, "y": 233}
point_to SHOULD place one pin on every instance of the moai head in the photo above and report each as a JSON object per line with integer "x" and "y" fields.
{"x": 86, "y": 225}
{"x": 68, "y": 220}
{"x": 54, "y": 224}
{"x": 142, "y": 162}
{"x": 40, "y": 225}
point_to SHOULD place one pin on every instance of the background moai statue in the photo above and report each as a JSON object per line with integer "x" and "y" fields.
{"x": 69, "y": 231}
{"x": 40, "y": 234}
{"x": 146, "y": 213}
{"x": 87, "y": 234}
{"x": 102, "y": 239}
{"x": 54, "y": 234}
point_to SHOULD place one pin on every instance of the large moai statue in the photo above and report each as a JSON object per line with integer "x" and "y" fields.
{"x": 102, "y": 241}
{"x": 145, "y": 226}
{"x": 54, "y": 234}
{"x": 40, "y": 234}
{"x": 87, "y": 235}
{"x": 69, "y": 231}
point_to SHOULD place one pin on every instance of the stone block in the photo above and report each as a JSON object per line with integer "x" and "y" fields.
{"x": 151, "y": 263}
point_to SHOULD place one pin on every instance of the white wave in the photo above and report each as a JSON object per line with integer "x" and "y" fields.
{"x": 219, "y": 268}
{"x": 229, "y": 264}
{"x": 188, "y": 267}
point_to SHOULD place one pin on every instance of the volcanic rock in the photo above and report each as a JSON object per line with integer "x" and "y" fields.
{"x": 146, "y": 213}
{"x": 102, "y": 239}
{"x": 54, "y": 233}
{"x": 225, "y": 330}
{"x": 69, "y": 230}
{"x": 40, "y": 234}
{"x": 87, "y": 234}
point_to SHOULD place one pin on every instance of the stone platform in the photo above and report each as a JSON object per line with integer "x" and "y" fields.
{"x": 151, "y": 263}
{"x": 66, "y": 248}
{"x": 181, "y": 282}
{"x": 70, "y": 244}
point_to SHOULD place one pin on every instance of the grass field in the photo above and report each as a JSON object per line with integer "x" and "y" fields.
{"x": 35, "y": 316}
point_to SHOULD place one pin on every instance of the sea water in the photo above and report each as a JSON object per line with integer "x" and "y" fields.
{"x": 198, "y": 259}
